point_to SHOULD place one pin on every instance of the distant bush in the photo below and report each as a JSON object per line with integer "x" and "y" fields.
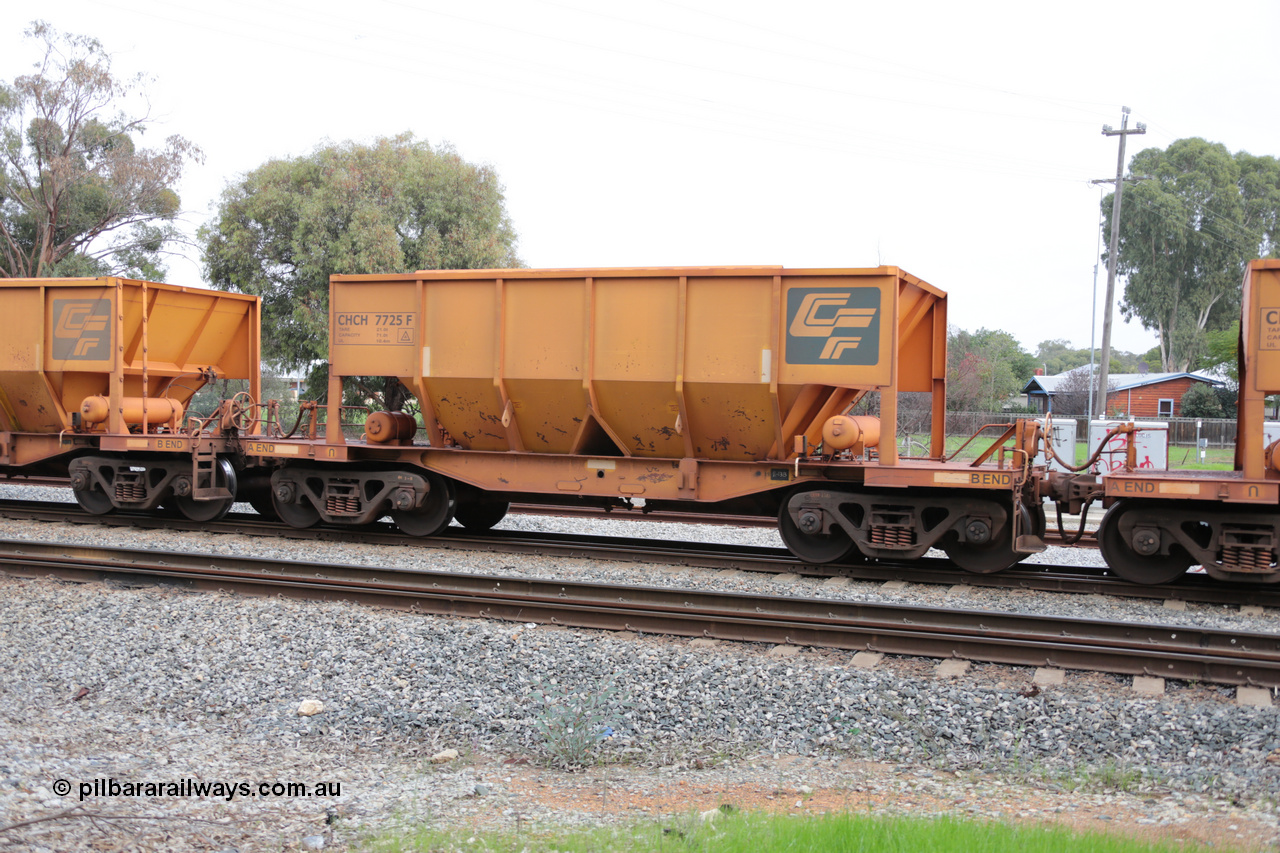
{"x": 1201, "y": 401}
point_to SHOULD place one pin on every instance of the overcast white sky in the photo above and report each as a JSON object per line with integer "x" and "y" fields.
{"x": 954, "y": 140}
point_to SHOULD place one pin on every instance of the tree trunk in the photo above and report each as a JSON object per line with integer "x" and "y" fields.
{"x": 394, "y": 394}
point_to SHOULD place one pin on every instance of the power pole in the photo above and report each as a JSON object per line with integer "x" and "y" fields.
{"x": 1093, "y": 317}
{"x": 1100, "y": 399}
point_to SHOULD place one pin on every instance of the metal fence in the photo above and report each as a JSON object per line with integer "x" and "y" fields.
{"x": 1220, "y": 432}
{"x": 914, "y": 418}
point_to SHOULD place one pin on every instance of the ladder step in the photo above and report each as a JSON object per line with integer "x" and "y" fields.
{"x": 204, "y": 476}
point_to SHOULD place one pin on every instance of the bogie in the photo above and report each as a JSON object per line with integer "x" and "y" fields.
{"x": 305, "y": 495}
{"x": 824, "y": 525}
{"x": 104, "y": 484}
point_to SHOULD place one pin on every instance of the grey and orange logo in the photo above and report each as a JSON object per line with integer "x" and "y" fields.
{"x": 82, "y": 329}
{"x": 833, "y": 325}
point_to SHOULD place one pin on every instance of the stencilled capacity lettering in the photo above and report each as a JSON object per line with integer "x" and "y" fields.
{"x": 362, "y": 328}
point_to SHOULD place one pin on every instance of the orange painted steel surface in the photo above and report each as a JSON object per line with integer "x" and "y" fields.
{"x": 385, "y": 427}
{"x": 154, "y": 410}
{"x": 724, "y": 363}
{"x": 1260, "y": 367}
{"x": 136, "y": 344}
{"x": 843, "y": 432}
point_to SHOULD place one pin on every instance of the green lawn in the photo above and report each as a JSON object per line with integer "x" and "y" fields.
{"x": 760, "y": 833}
{"x": 1216, "y": 458}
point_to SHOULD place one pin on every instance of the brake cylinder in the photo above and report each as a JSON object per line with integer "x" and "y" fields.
{"x": 385, "y": 427}
{"x": 96, "y": 409}
{"x": 1272, "y": 455}
{"x": 843, "y": 432}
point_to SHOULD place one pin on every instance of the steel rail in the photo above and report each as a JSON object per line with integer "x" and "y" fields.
{"x": 1180, "y": 652}
{"x": 27, "y": 480}
{"x": 1052, "y": 537}
{"x": 1073, "y": 580}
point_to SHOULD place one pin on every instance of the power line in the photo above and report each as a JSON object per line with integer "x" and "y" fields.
{"x": 912, "y": 69}
{"x": 680, "y": 110}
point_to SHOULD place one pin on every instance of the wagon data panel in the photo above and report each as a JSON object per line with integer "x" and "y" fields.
{"x": 376, "y": 330}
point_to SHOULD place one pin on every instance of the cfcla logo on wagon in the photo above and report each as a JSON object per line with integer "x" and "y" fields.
{"x": 833, "y": 325}
{"x": 82, "y": 329}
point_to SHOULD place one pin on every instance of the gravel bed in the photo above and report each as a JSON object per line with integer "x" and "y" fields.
{"x": 105, "y": 682}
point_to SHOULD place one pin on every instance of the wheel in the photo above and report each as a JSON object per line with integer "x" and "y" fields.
{"x": 1118, "y": 551}
{"x": 435, "y": 513}
{"x": 301, "y": 514}
{"x": 814, "y": 548}
{"x": 94, "y": 501}
{"x": 209, "y": 510}
{"x": 480, "y": 515}
{"x": 994, "y": 555}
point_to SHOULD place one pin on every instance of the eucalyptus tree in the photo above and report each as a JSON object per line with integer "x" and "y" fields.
{"x": 1186, "y": 232}
{"x": 78, "y": 194}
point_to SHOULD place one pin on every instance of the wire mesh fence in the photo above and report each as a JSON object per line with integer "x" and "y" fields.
{"x": 914, "y": 425}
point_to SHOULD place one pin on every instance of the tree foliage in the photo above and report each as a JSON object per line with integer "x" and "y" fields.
{"x": 1221, "y": 354}
{"x": 1185, "y": 235}
{"x": 1074, "y": 391}
{"x": 984, "y": 369}
{"x": 1056, "y": 356}
{"x": 395, "y": 206}
{"x": 77, "y": 194}
{"x": 1200, "y": 401}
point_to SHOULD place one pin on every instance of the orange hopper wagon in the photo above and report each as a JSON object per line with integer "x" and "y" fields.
{"x": 703, "y": 388}
{"x": 96, "y": 375}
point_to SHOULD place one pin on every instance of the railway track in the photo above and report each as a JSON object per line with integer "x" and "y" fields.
{"x": 1179, "y": 652}
{"x": 1077, "y": 580}
{"x": 1052, "y": 537}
